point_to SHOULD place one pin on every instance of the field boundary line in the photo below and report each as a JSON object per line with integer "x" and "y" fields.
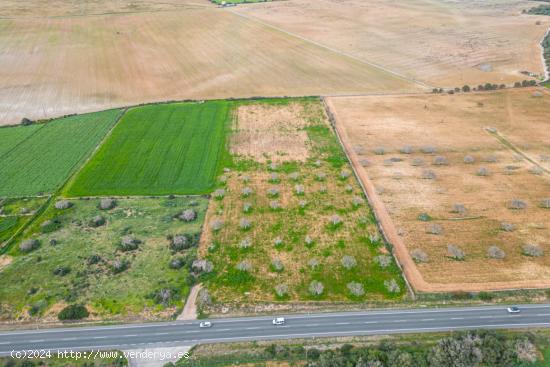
{"x": 410, "y": 270}
{"x": 85, "y": 161}
{"x": 367, "y": 191}
{"x": 515, "y": 149}
{"x": 339, "y": 52}
{"x": 24, "y": 140}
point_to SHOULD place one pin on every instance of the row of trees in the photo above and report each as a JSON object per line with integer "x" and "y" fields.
{"x": 484, "y": 87}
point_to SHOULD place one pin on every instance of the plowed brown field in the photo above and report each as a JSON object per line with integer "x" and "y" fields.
{"x": 51, "y": 66}
{"x": 443, "y": 43}
{"x": 456, "y": 126}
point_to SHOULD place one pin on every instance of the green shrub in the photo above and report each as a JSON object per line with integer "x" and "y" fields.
{"x": 73, "y": 312}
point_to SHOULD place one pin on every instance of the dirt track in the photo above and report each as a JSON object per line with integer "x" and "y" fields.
{"x": 411, "y": 271}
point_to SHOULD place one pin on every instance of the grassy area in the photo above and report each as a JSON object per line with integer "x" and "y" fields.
{"x": 162, "y": 149}
{"x": 79, "y": 259}
{"x": 16, "y": 212}
{"x": 290, "y": 241}
{"x": 41, "y": 157}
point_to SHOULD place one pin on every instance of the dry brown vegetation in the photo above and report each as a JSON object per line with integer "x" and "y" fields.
{"x": 271, "y": 132}
{"x": 57, "y": 65}
{"x": 498, "y": 130}
{"x": 442, "y": 43}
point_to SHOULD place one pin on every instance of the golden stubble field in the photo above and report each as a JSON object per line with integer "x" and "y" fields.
{"x": 512, "y": 150}
{"x": 50, "y": 66}
{"x": 442, "y": 43}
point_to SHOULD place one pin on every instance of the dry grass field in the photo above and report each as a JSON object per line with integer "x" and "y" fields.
{"x": 50, "y": 66}
{"x": 440, "y": 42}
{"x": 513, "y": 154}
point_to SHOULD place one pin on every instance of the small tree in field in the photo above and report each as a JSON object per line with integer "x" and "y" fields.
{"x": 188, "y": 215}
{"x": 216, "y": 224}
{"x": 507, "y": 227}
{"x": 407, "y": 149}
{"x": 356, "y": 289}
{"x": 316, "y": 288}
{"x": 469, "y": 159}
{"x": 281, "y": 290}
{"x": 245, "y": 224}
{"x": 313, "y": 263}
{"x": 517, "y": 204}
{"x": 532, "y": 250}
{"x": 545, "y": 203}
{"x": 392, "y": 286}
{"x": 435, "y": 229}
{"x": 348, "y": 262}
{"x": 428, "y": 174}
{"x": 244, "y": 266}
{"x": 455, "y": 252}
{"x": 419, "y": 256}
{"x": 494, "y": 252}
{"x": 245, "y": 243}
{"x": 246, "y": 191}
{"x": 383, "y": 260}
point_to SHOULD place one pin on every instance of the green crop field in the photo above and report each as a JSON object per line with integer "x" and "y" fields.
{"x": 10, "y": 137}
{"x": 176, "y": 148}
{"x": 46, "y": 154}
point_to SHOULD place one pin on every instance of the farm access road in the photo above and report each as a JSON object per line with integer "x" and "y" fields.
{"x": 174, "y": 333}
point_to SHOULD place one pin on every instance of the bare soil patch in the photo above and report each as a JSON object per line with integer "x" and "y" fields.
{"x": 456, "y": 127}
{"x": 443, "y": 43}
{"x": 5, "y": 260}
{"x": 271, "y": 132}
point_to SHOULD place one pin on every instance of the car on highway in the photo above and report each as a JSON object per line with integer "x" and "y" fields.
{"x": 279, "y": 321}
{"x": 205, "y": 324}
{"x": 513, "y": 309}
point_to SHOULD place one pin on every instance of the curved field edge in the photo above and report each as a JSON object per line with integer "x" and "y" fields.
{"x": 175, "y": 148}
{"x": 43, "y": 156}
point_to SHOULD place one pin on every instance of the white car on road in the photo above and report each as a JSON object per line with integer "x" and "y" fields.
{"x": 205, "y": 324}
{"x": 513, "y": 309}
{"x": 279, "y": 321}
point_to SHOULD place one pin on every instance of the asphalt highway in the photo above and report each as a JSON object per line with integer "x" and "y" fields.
{"x": 150, "y": 335}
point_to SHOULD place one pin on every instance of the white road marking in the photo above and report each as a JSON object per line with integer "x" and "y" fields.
{"x": 428, "y": 319}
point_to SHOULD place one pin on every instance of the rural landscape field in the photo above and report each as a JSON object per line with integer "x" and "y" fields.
{"x": 333, "y": 168}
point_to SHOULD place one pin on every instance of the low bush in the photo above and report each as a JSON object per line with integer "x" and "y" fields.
{"x": 73, "y": 312}
{"x": 495, "y": 252}
{"x": 316, "y": 288}
{"x": 517, "y": 204}
{"x": 532, "y": 250}
{"x": 356, "y": 289}
{"x": 63, "y": 204}
{"x": 188, "y": 215}
{"x": 107, "y": 204}
{"x": 455, "y": 252}
{"x": 29, "y": 245}
{"x": 419, "y": 256}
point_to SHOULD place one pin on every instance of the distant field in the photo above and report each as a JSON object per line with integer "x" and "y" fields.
{"x": 480, "y": 171}
{"x": 40, "y": 163}
{"x": 174, "y": 148}
{"x": 442, "y": 43}
{"x": 144, "y": 55}
{"x": 81, "y": 265}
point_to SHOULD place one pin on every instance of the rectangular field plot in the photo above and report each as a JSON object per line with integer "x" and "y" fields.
{"x": 46, "y": 154}
{"x": 469, "y": 170}
{"x": 118, "y": 261}
{"x": 287, "y": 225}
{"x": 157, "y": 150}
